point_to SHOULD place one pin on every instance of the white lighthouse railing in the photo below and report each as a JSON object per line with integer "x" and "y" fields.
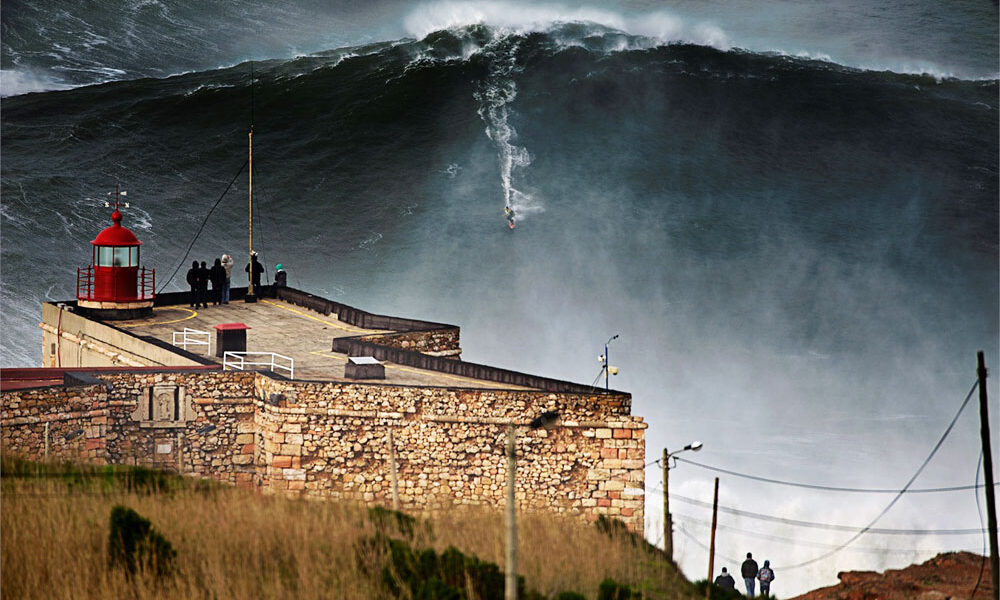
{"x": 240, "y": 361}
{"x": 193, "y": 337}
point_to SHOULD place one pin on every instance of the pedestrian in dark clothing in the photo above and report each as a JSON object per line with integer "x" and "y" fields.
{"x": 217, "y": 275}
{"x": 280, "y": 276}
{"x": 749, "y": 572}
{"x": 193, "y": 281}
{"x": 725, "y": 581}
{"x": 203, "y": 281}
{"x": 258, "y": 270}
{"x": 766, "y": 576}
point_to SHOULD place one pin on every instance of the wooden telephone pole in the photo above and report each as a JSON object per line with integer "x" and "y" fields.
{"x": 510, "y": 560}
{"x": 392, "y": 472}
{"x": 991, "y": 505}
{"x": 711, "y": 546}
{"x": 668, "y": 524}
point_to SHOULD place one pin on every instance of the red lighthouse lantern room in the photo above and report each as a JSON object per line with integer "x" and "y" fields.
{"x": 114, "y": 286}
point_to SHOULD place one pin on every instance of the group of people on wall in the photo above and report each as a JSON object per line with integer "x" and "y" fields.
{"x": 220, "y": 276}
{"x": 751, "y": 574}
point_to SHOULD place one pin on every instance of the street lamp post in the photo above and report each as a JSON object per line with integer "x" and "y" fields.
{"x": 546, "y": 420}
{"x": 668, "y": 525}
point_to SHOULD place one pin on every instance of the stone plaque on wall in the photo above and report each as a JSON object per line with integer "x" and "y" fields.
{"x": 163, "y": 405}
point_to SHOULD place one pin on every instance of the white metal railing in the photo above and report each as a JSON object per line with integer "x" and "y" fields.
{"x": 192, "y": 337}
{"x": 239, "y": 361}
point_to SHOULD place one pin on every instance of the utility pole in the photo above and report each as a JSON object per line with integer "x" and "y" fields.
{"x": 991, "y": 505}
{"x": 668, "y": 524}
{"x": 392, "y": 472}
{"x": 510, "y": 577}
{"x": 711, "y": 546}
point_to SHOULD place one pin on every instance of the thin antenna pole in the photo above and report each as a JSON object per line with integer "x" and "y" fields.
{"x": 606, "y": 384}
{"x": 250, "y": 297}
{"x": 250, "y": 165}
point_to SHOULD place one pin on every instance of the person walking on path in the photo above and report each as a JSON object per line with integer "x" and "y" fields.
{"x": 766, "y": 576}
{"x": 725, "y": 580}
{"x": 227, "y": 264}
{"x": 217, "y": 275}
{"x": 749, "y": 571}
{"x": 254, "y": 270}
{"x": 193, "y": 281}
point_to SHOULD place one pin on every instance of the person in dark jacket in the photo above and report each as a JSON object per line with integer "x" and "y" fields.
{"x": 258, "y": 270}
{"x": 203, "y": 281}
{"x": 749, "y": 572}
{"x": 217, "y": 275}
{"x": 725, "y": 580}
{"x": 280, "y": 276}
{"x": 766, "y": 576}
{"x": 193, "y": 281}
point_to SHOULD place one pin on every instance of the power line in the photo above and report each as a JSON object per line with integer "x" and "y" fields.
{"x": 892, "y": 503}
{"x": 832, "y": 527}
{"x": 800, "y": 542}
{"x": 979, "y": 511}
{"x": 826, "y": 487}
{"x": 202, "y": 226}
{"x": 704, "y": 547}
{"x": 859, "y": 531}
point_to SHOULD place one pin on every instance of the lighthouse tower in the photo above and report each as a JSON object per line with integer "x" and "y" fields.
{"x": 114, "y": 286}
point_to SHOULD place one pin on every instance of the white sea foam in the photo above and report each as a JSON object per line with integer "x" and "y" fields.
{"x": 507, "y": 17}
{"x": 14, "y": 82}
{"x": 495, "y": 96}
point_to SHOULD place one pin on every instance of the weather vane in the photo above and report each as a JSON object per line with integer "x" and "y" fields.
{"x": 118, "y": 194}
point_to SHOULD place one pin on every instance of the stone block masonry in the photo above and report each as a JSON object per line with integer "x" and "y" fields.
{"x": 331, "y": 439}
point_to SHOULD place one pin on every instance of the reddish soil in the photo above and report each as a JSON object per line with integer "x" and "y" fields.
{"x": 947, "y": 576}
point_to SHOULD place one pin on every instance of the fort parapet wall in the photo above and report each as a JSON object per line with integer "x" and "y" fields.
{"x": 332, "y": 438}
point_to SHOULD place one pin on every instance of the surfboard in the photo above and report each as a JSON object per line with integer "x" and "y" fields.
{"x": 510, "y": 224}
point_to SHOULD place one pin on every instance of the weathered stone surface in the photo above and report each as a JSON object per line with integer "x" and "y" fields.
{"x": 332, "y": 439}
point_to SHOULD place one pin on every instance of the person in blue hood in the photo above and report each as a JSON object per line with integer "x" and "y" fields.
{"x": 765, "y": 576}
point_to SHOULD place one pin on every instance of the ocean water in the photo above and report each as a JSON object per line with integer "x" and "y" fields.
{"x": 788, "y": 213}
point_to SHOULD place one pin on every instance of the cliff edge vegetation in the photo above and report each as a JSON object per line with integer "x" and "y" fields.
{"x": 228, "y": 542}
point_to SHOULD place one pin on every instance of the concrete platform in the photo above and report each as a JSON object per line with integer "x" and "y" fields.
{"x": 302, "y": 334}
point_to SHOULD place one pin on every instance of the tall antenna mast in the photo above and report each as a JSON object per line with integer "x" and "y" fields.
{"x": 251, "y": 297}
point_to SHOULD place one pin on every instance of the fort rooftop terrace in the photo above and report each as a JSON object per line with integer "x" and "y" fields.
{"x": 320, "y": 335}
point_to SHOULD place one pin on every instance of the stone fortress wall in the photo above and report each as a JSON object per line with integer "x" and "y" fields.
{"x": 332, "y": 438}
{"x": 155, "y": 405}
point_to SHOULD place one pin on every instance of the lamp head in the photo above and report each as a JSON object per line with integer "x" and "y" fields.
{"x": 613, "y": 370}
{"x": 696, "y": 446}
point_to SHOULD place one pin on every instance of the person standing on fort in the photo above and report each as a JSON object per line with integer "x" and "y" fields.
{"x": 255, "y": 273}
{"x": 227, "y": 264}
{"x": 749, "y": 571}
{"x": 766, "y": 576}
{"x": 203, "y": 281}
{"x": 280, "y": 276}
{"x": 217, "y": 275}
{"x": 192, "y": 279}
{"x": 725, "y": 580}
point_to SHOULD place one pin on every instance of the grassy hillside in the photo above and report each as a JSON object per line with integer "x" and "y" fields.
{"x": 233, "y": 543}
